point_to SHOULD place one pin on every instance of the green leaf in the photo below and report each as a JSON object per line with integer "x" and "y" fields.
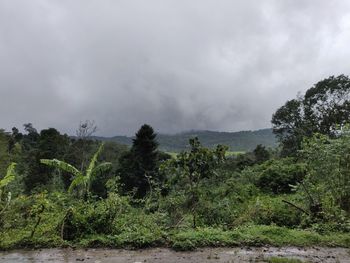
{"x": 62, "y": 166}
{"x": 101, "y": 168}
{"x": 10, "y": 175}
{"x": 78, "y": 180}
{"x": 94, "y": 161}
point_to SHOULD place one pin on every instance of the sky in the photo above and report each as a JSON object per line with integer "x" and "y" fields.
{"x": 177, "y": 65}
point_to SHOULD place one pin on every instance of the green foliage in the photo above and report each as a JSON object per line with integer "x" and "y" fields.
{"x": 242, "y": 161}
{"x": 61, "y": 165}
{"x": 111, "y": 153}
{"x": 266, "y": 210}
{"x": 8, "y": 178}
{"x": 47, "y": 144}
{"x": 254, "y": 236}
{"x": 80, "y": 178}
{"x": 322, "y": 109}
{"x": 326, "y": 188}
{"x": 113, "y": 222}
{"x": 191, "y": 168}
{"x": 93, "y": 218}
{"x": 197, "y": 198}
{"x": 277, "y": 175}
{"x": 283, "y": 260}
{"x": 139, "y": 165}
{"x": 4, "y": 151}
{"x": 288, "y": 125}
{"x": 261, "y": 154}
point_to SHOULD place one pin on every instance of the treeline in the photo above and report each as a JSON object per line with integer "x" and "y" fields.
{"x": 242, "y": 141}
{"x": 59, "y": 191}
{"x": 28, "y": 150}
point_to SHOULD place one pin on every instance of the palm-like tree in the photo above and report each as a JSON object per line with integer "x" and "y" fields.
{"x": 81, "y": 178}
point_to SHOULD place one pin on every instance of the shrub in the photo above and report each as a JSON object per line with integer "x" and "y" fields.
{"x": 327, "y": 185}
{"x": 93, "y": 218}
{"x": 265, "y": 210}
{"x": 278, "y": 176}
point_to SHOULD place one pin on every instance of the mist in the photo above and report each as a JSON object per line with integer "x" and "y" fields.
{"x": 176, "y": 65}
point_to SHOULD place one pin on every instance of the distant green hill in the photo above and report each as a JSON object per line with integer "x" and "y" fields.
{"x": 237, "y": 141}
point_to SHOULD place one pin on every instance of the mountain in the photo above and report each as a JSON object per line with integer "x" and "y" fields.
{"x": 237, "y": 141}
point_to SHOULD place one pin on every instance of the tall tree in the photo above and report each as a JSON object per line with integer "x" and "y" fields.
{"x": 288, "y": 125}
{"x": 138, "y": 166}
{"x": 327, "y": 105}
{"x": 323, "y": 108}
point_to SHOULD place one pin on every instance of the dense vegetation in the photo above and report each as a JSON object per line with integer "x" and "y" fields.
{"x": 59, "y": 191}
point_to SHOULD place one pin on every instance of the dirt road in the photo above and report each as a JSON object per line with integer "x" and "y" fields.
{"x": 157, "y": 255}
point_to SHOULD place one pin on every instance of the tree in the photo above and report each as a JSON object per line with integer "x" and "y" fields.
{"x": 139, "y": 165}
{"x": 84, "y": 132}
{"x": 322, "y": 109}
{"x": 4, "y": 151}
{"x": 261, "y": 154}
{"x": 15, "y": 139}
{"x": 288, "y": 126}
{"x": 191, "y": 168}
{"x": 327, "y": 105}
{"x": 81, "y": 179}
{"x": 28, "y": 165}
{"x": 327, "y": 183}
{"x": 46, "y": 145}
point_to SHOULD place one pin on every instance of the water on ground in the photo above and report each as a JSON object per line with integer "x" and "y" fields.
{"x": 157, "y": 255}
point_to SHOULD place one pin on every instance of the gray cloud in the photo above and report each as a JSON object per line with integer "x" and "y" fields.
{"x": 178, "y": 65}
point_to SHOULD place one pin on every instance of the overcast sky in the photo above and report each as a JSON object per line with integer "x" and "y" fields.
{"x": 178, "y": 65}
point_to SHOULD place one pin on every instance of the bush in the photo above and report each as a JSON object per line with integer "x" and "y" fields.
{"x": 93, "y": 218}
{"x": 327, "y": 184}
{"x": 265, "y": 210}
{"x": 278, "y": 176}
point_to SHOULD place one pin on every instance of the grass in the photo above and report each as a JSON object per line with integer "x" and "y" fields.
{"x": 256, "y": 236}
{"x": 188, "y": 239}
{"x": 234, "y": 153}
{"x": 283, "y": 260}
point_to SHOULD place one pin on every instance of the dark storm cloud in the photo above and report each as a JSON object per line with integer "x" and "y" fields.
{"x": 178, "y": 65}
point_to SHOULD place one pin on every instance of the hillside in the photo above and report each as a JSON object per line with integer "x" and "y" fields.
{"x": 237, "y": 141}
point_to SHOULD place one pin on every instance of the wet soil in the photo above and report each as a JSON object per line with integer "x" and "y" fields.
{"x": 157, "y": 255}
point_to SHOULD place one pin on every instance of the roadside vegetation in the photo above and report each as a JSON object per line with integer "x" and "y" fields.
{"x": 58, "y": 191}
{"x": 283, "y": 260}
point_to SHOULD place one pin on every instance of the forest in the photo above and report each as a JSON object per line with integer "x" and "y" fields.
{"x": 62, "y": 191}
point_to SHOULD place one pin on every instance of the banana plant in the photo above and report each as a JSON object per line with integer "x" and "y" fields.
{"x": 9, "y": 177}
{"x": 80, "y": 178}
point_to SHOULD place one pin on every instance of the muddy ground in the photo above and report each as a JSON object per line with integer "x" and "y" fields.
{"x": 227, "y": 255}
